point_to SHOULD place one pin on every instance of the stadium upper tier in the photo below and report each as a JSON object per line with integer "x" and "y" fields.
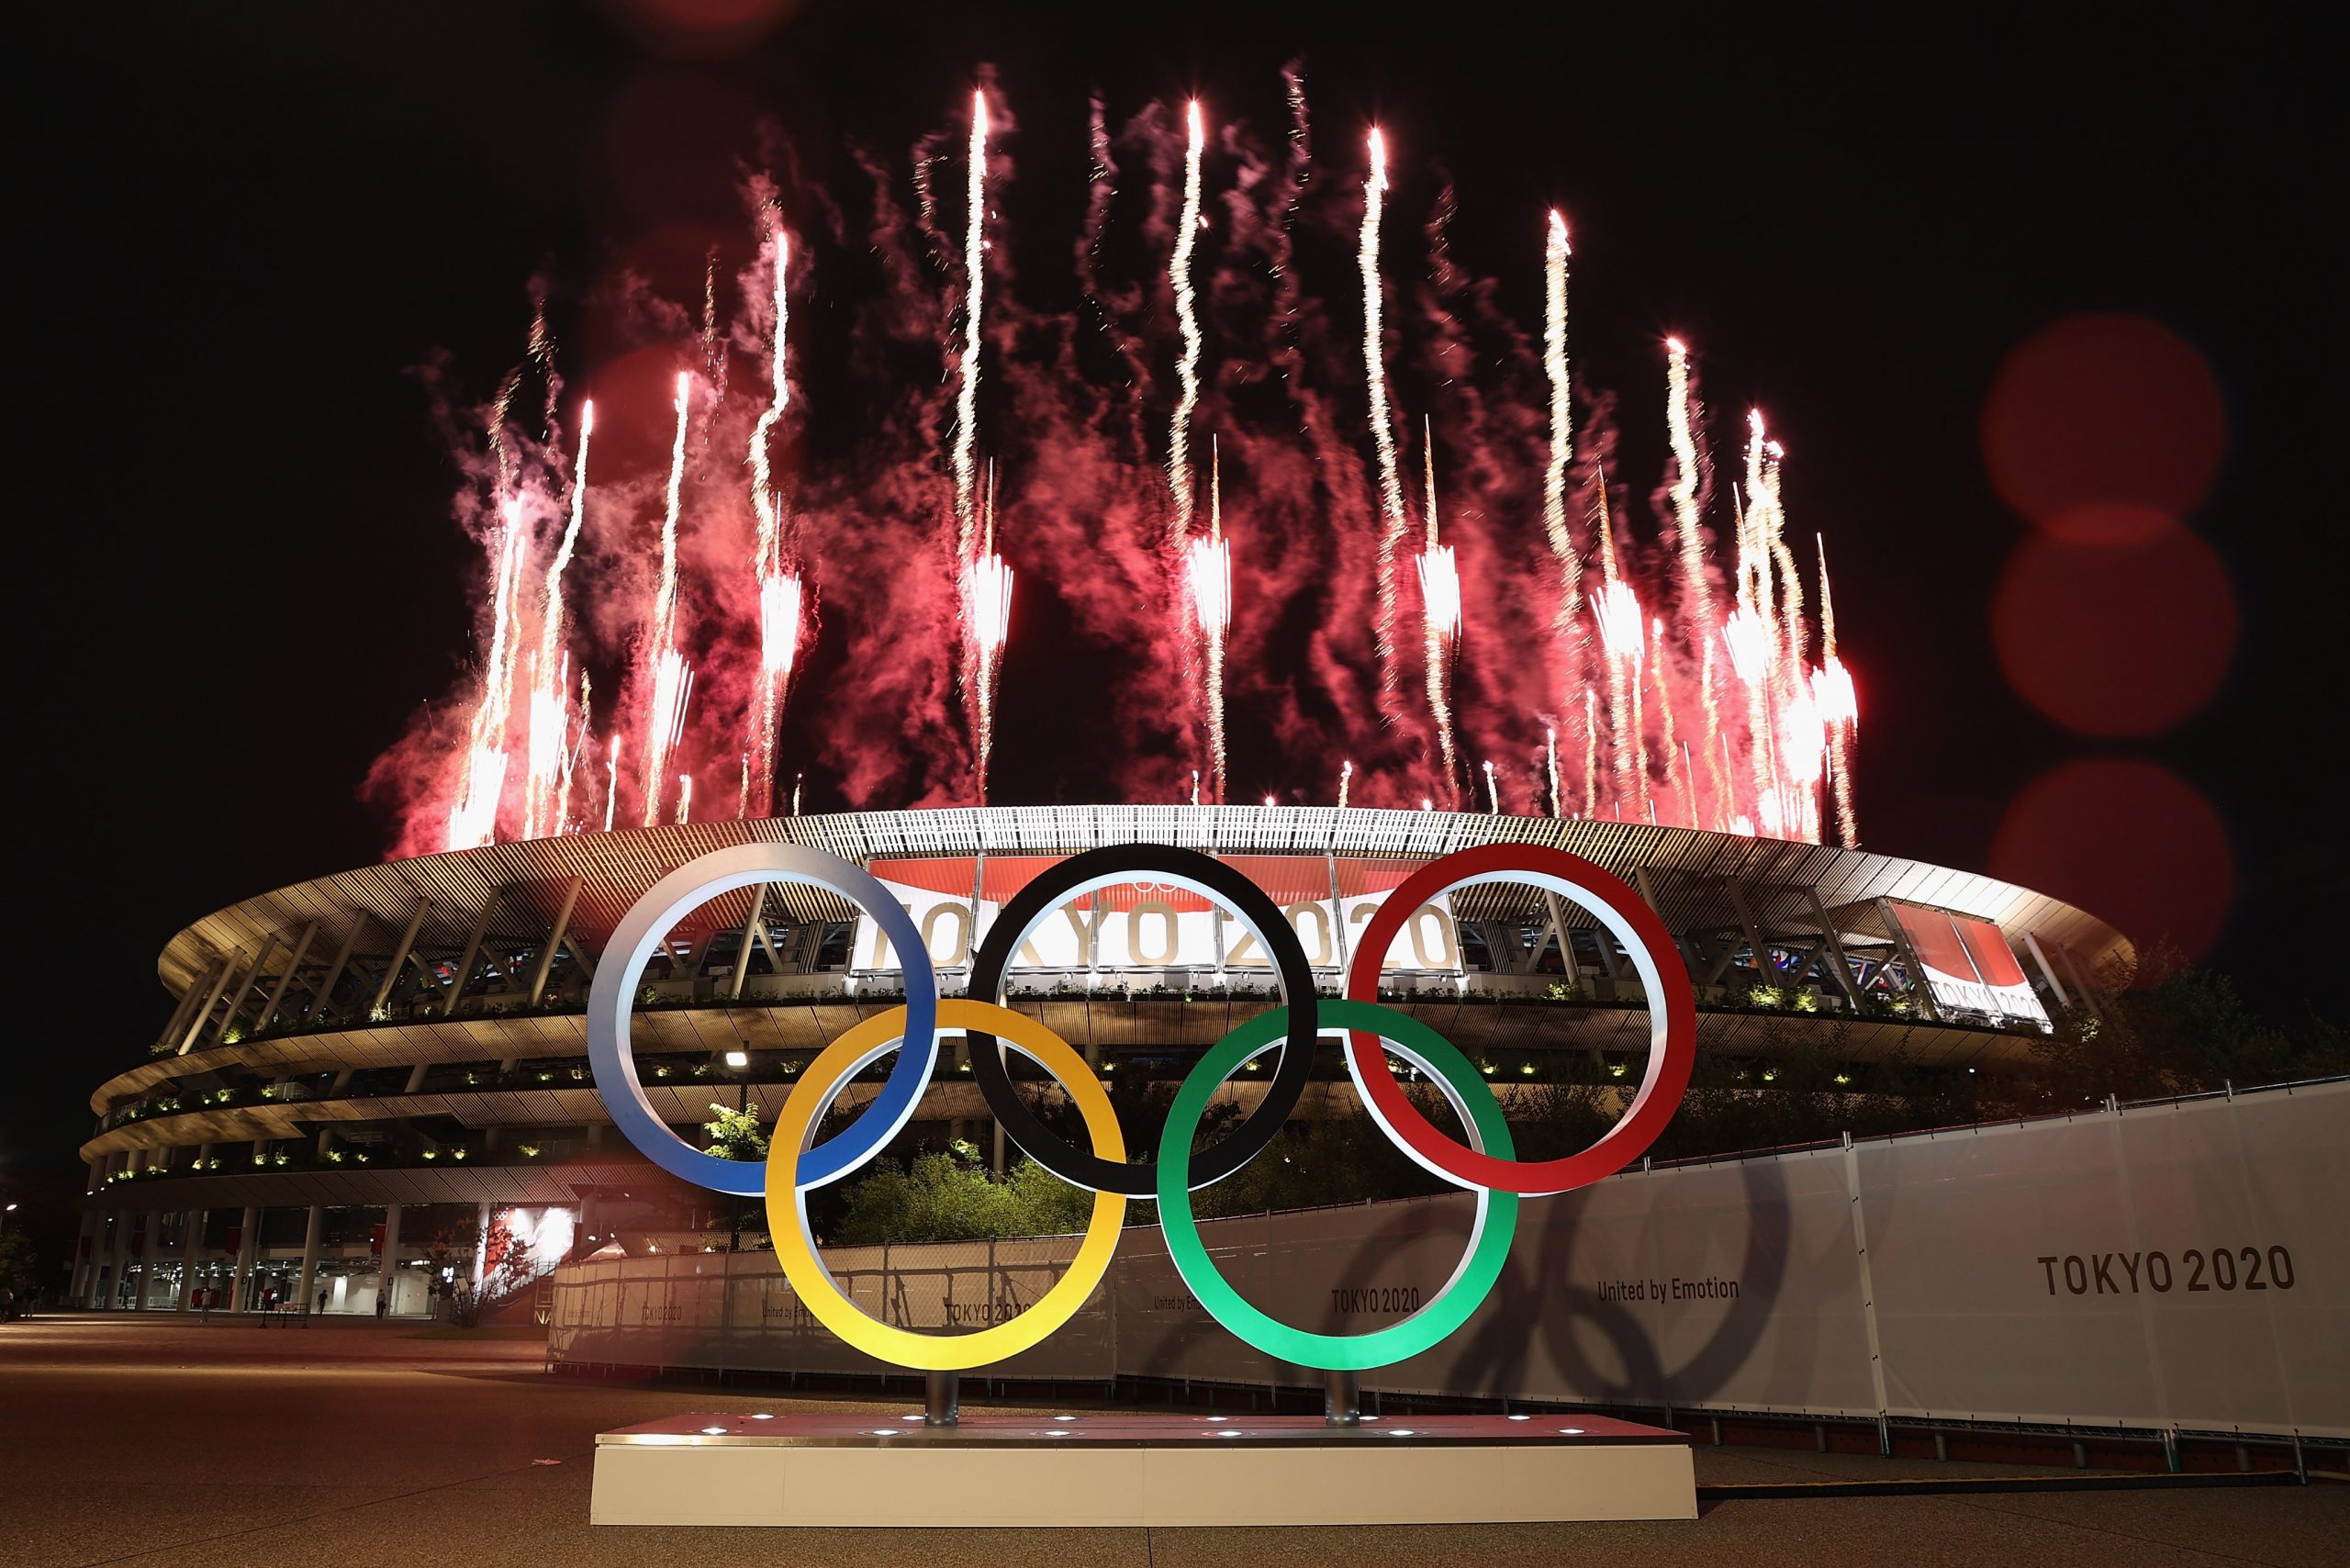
{"x": 446, "y": 989}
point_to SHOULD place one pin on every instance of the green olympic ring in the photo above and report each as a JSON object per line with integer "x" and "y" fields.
{"x": 1489, "y": 1239}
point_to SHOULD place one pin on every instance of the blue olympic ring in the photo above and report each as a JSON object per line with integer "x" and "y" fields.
{"x": 647, "y": 924}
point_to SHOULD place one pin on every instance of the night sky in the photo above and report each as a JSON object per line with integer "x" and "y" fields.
{"x": 242, "y": 577}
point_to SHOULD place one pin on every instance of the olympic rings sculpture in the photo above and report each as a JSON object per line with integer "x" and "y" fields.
{"x": 1487, "y": 1165}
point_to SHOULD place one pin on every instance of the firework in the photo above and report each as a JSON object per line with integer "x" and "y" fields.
{"x": 685, "y": 798}
{"x": 564, "y": 821}
{"x": 1374, "y": 362}
{"x": 1441, "y": 606}
{"x": 1661, "y": 630}
{"x": 612, "y": 784}
{"x": 1696, "y": 590}
{"x": 1346, "y": 778}
{"x": 474, "y": 819}
{"x": 986, "y": 614}
{"x": 779, "y": 587}
{"x": 1839, "y": 705}
{"x": 1208, "y": 566}
{"x": 550, "y": 681}
{"x": 1678, "y": 782}
{"x": 1187, "y": 318}
{"x": 665, "y": 717}
{"x": 966, "y": 395}
{"x": 1555, "y": 255}
{"x": 1617, "y": 611}
{"x": 1492, "y": 789}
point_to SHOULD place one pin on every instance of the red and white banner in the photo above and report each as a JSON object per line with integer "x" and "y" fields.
{"x": 1969, "y": 966}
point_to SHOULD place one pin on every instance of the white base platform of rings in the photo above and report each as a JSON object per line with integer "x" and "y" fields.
{"x": 1122, "y": 1470}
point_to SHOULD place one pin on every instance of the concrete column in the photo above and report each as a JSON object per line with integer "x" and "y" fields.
{"x": 305, "y": 1289}
{"x": 148, "y": 1254}
{"x": 121, "y": 1259}
{"x": 191, "y": 1242}
{"x": 86, "y": 1254}
{"x": 390, "y": 1261}
{"x": 248, "y": 1249}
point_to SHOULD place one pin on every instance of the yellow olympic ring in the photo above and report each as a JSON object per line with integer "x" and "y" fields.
{"x": 787, "y": 1207}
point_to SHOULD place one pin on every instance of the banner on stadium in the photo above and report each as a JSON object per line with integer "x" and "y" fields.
{"x": 1146, "y": 925}
{"x": 1969, "y": 966}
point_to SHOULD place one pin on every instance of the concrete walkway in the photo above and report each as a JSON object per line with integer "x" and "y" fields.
{"x": 137, "y": 1438}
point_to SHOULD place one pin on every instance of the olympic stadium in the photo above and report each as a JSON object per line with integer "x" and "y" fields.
{"x": 358, "y": 1068}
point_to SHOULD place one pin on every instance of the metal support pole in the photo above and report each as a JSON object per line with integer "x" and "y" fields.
{"x": 213, "y": 988}
{"x": 1835, "y": 940}
{"x": 277, "y": 991}
{"x": 1341, "y": 1399}
{"x": 560, "y": 928}
{"x": 405, "y": 944}
{"x": 1921, "y": 990}
{"x": 942, "y": 1398}
{"x": 742, "y": 950}
{"x": 465, "y": 970}
{"x": 235, "y": 1003}
{"x": 322, "y": 996}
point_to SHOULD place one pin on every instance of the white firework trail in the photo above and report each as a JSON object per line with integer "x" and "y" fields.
{"x": 474, "y": 819}
{"x": 668, "y": 667}
{"x": 1555, "y": 255}
{"x": 1374, "y": 358}
{"x": 550, "y": 724}
{"x": 1590, "y": 751}
{"x": 780, "y": 588}
{"x": 1678, "y": 781}
{"x": 1439, "y": 575}
{"x": 1208, "y": 564}
{"x": 1617, "y": 611}
{"x": 1550, "y": 757}
{"x": 987, "y": 612}
{"x": 1187, "y": 319}
{"x": 1346, "y": 778}
{"x": 1838, "y": 707}
{"x": 967, "y": 396}
{"x": 1696, "y": 591}
{"x": 685, "y": 798}
{"x": 1493, "y": 788}
{"x": 612, "y": 784}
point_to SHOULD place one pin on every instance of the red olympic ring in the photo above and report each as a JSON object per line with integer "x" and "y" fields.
{"x": 1673, "y": 1011}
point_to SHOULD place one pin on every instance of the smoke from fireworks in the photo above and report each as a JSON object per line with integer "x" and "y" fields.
{"x": 1311, "y": 659}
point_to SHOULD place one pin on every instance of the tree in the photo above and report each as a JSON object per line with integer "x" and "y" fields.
{"x": 735, "y": 1135}
{"x": 949, "y": 1196}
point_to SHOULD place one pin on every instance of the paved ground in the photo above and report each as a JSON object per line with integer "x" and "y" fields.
{"x": 124, "y": 1439}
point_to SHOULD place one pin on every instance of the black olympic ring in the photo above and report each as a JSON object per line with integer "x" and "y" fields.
{"x": 1100, "y": 867}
